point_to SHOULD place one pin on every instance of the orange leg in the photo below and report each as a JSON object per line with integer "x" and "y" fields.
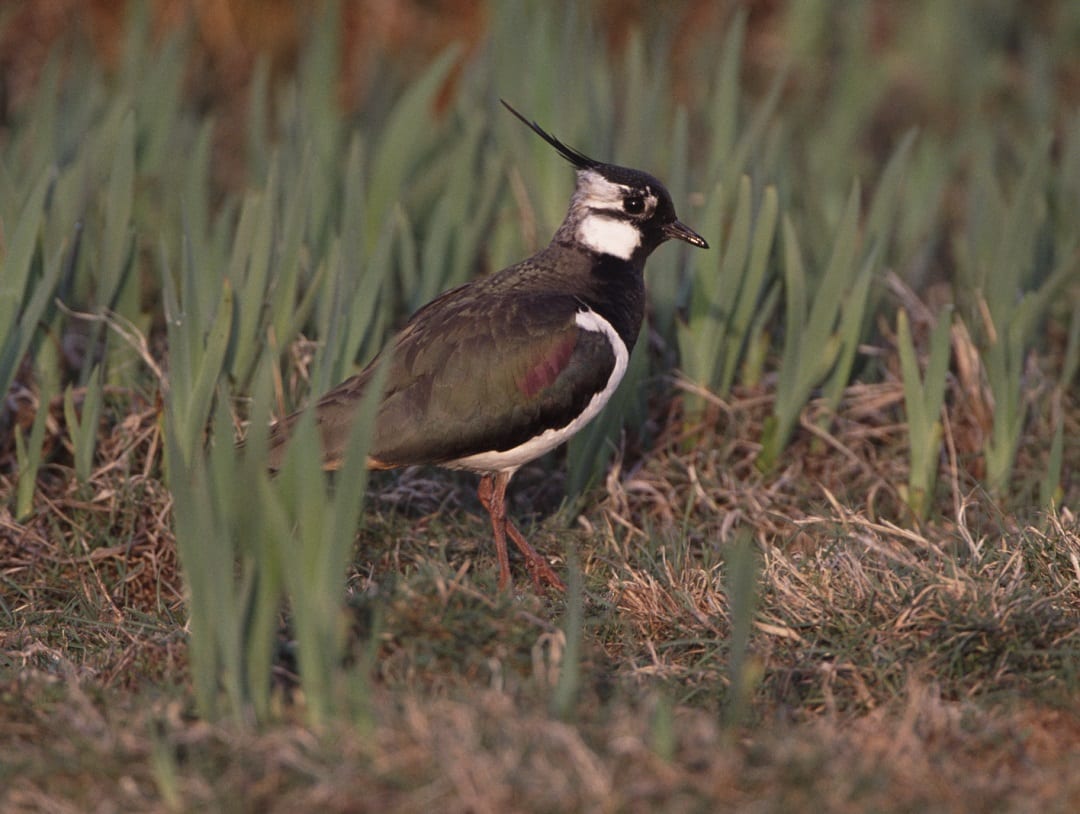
{"x": 497, "y": 511}
{"x": 492, "y": 494}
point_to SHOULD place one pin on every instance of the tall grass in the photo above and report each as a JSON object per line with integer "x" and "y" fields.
{"x": 1013, "y": 268}
{"x": 924, "y": 396}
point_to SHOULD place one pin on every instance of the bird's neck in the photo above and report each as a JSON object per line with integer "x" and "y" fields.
{"x": 617, "y": 293}
{"x": 611, "y": 286}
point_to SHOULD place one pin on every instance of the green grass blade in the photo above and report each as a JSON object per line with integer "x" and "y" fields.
{"x": 17, "y": 254}
{"x": 119, "y": 201}
{"x": 84, "y": 429}
{"x": 16, "y": 338}
{"x": 923, "y": 400}
{"x": 741, "y": 584}
{"x": 750, "y": 289}
{"x": 28, "y": 453}
{"x": 568, "y": 687}
{"x": 407, "y": 133}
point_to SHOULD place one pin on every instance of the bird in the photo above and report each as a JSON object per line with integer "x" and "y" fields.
{"x": 495, "y": 373}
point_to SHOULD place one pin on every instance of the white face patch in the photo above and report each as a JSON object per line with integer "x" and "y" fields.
{"x": 597, "y": 192}
{"x": 612, "y": 233}
{"x": 608, "y": 235}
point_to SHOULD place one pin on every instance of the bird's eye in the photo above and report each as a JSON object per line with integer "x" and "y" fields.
{"x": 634, "y": 205}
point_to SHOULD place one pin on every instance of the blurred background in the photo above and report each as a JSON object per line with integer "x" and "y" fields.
{"x": 918, "y": 51}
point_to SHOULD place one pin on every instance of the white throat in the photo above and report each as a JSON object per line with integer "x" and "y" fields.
{"x": 608, "y": 235}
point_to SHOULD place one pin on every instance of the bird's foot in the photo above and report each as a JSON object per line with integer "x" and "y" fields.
{"x": 544, "y": 576}
{"x": 540, "y": 570}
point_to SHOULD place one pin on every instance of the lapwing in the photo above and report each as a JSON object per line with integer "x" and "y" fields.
{"x": 497, "y": 372}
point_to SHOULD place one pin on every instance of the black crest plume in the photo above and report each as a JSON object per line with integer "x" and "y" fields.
{"x": 575, "y": 157}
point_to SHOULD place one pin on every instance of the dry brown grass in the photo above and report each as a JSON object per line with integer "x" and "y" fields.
{"x": 484, "y": 750}
{"x": 893, "y": 667}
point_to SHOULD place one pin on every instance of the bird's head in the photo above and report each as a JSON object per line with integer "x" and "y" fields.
{"x": 616, "y": 210}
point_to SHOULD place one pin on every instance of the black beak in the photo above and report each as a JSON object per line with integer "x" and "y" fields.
{"x": 680, "y": 231}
